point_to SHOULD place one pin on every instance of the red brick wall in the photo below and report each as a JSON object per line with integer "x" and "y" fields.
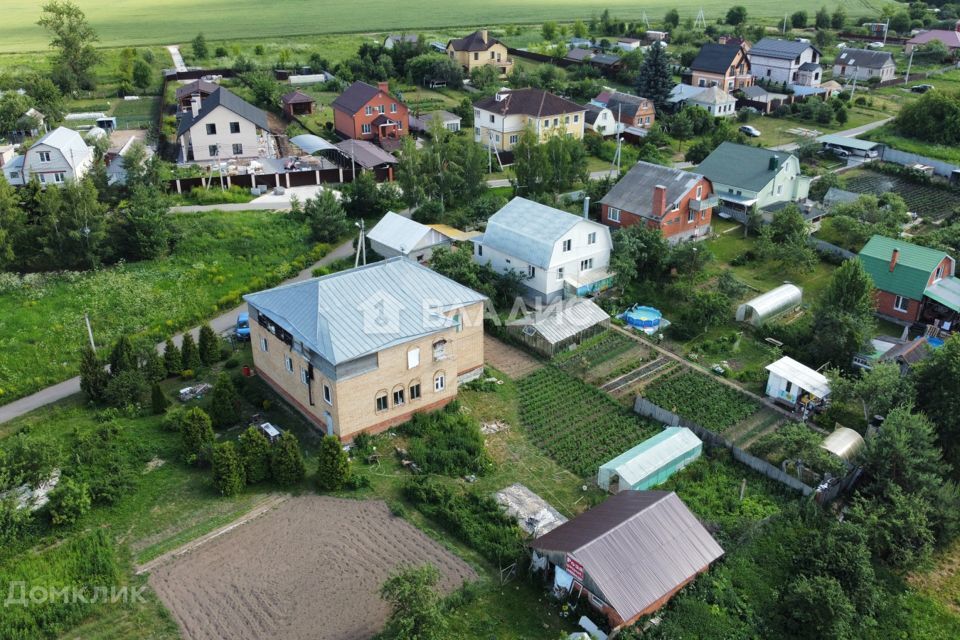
{"x": 885, "y": 306}
{"x": 352, "y": 125}
{"x": 947, "y": 265}
{"x": 678, "y": 217}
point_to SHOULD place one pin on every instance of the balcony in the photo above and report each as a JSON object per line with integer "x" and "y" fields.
{"x": 703, "y": 204}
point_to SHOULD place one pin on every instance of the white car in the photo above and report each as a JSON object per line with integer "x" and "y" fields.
{"x": 749, "y": 130}
{"x": 875, "y": 45}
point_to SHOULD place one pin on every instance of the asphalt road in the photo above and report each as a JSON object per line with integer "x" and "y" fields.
{"x": 221, "y": 324}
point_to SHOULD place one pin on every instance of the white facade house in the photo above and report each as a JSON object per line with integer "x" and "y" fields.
{"x": 396, "y": 235}
{"x": 716, "y": 101}
{"x": 863, "y": 64}
{"x": 223, "y": 127}
{"x": 57, "y": 157}
{"x": 558, "y": 253}
{"x": 601, "y": 120}
{"x": 781, "y": 61}
{"x": 792, "y": 382}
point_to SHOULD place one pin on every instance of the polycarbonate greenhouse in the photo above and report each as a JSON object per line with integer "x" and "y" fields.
{"x": 770, "y": 304}
{"x": 652, "y": 461}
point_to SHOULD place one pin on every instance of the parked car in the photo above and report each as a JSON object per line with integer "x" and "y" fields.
{"x": 921, "y": 88}
{"x": 242, "y": 332}
{"x": 749, "y": 130}
{"x": 840, "y": 152}
{"x": 875, "y": 45}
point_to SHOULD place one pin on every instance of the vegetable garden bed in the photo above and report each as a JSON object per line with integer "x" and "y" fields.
{"x": 578, "y": 425}
{"x": 929, "y": 201}
{"x": 703, "y": 400}
{"x": 594, "y": 351}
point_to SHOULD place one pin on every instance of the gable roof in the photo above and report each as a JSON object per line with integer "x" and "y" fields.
{"x": 950, "y": 38}
{"x": 683, "y": 92}
{"x": 863, "y": 58}
{"x": 637, "y": 547}
{"x": 634, "y": 191}
{"x": 69, "y": 142}
{"x": 627, "y": 104}
{"x": 781, "y": 49}
{"x": 296, "y": 97}
{"x": 397, "y": 232}
{"x": 579, "y": 55}
{"x": 742, "y": 166}
{"x": 592, "y": 112}
{"x": 528, "y": 230}
{"x": 409, "y": 38}
{"x": 800, "y": 374}
{"x": 907, "y": 352}
{"x": 715, "y": 58}
{"x": 225, "y": 98}
{"x": 911, "y": 273}
{"x": 473, "y": 42}
{"x": 355, "y": 97}
{"x": 197, "y": 86}
{"x": 328, "y": 314}
{"x": 365, "y": 153}
{"x": 809, "y": 66}
{"x": 528, "y": 102}
{"x": 713, "y": 95}
{"x": 564, "y": 319}
{"x": 605, "y": 59}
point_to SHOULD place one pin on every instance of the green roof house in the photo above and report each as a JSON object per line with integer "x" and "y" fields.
{"x": 914, "y": 283}
{"x": 745, "y": 177}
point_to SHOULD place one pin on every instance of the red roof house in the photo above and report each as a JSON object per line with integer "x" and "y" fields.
{"x": 365, "y": 112}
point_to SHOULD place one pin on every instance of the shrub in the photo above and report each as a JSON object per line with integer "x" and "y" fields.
{"x": 220, "y": 52}
{"x": 109, "y": 460}
{"x": 224, "y": 403}
{"x": 362, "y": 444}
{"x": 126, "y": 389}
{"x": 172, "y": 359}
{"x": 189, "y": 354}
{"x": 30, "y": 458}
{"x": 173, "y": 418}
{"x": 447, "y": 442}
{"x": 154, "y": 369}
{"x": 255, "y": 454}
{"x": 69, "y": 501}
{"x": 208, "y": 346}
{"x": 93, "y": 375}
{"x": 197, "y": 436}
{"x": 228, "y": 474}
{"x": 158, "y": 400}
{"x": 232, "y": 363}
{"x": 334, "y": 465}
{"x": 286, "y": 463}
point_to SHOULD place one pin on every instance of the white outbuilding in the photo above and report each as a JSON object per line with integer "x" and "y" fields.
{"x": 396, "y": 235}
{"x": 792, "y": 382}
{"x": 770, "y": 304}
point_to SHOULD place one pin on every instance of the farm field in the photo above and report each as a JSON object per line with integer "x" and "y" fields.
{"x": 929, "y": 201}
{"x": 576, "y": 424}
{"x": 702, "y": 400}
{"x": 137, "y": 22}
{"x": 217, "y": 258}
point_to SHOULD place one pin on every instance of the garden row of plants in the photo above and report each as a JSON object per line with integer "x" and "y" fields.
{"x": 594, "y": 351}
{"x": 576, "y": 424}
{"x": 702, "y": 400}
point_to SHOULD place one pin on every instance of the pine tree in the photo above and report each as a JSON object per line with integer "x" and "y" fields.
{"x": 197, "y": 436}
{"x": 255, "y": 454}
{"x": 154, "y": 369}
{"x": 93, "y": 376}
{"x": 334, "y": 466}
{"x": 224, "y": 403}
{"x": 172, "y": 358}
{"x": 189, "y": 354}
{"x": 655, "y": 81}
{"x": 227, "y": 469}
{"x": 158, "y": 400}
{"x": 122, "y": 358}
{"x": 286, "y": 463}
{"x": 208, "y": 346}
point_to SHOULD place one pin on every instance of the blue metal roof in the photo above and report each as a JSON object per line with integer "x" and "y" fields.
{"x": 528, "y": 230}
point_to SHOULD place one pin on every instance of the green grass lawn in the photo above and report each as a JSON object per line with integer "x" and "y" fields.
{"x": 217, "y": 258}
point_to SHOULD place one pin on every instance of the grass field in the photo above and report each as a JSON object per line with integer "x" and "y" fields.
{"x": 137, "y": 22}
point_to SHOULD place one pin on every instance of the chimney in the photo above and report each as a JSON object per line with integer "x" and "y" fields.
{"x": 483, "y": 34}
{"x": 659, "y": 200}
{"x": 774, "y": 163}
{"x": 384, "y": 86}
{"x": 893, "y": 259}
{"x": 586, "y": 208}
{"x": 195, "y": 104}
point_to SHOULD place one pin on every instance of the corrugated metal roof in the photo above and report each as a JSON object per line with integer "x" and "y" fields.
{"x": 851, "y": 143}
{"x": 864, "y": 58}
{"x": 565, "y": 319}
{"x": 223, "y": 97}
{"x": 652, "y": 454}
{"x": 801, "y": 375}
{"x": 771, "y": 303}
{"x": 353, "y": 313}
{"x": 454, "y": 233}
{"x": 637, "y": 547}
{"x": 366, "y": 154}
{"x": 69, "y": 142}
{"x": 912, "y": 271}
{"x": 946, "y": 292}
{"x": 312, "y": 144}
{"x": 781, "y": 49}
{"x": 634, "y": 191}
{"x": 398, "y": 232}
{"x": 528, "y": 230}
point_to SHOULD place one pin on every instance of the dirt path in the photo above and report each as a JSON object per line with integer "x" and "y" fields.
{"x": 513, "y": 362}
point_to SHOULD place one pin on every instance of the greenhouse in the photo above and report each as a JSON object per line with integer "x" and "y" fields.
{"x": 770, "y": 304}
{"x": 651, "y": 462}
{"x": 843, "y": 443}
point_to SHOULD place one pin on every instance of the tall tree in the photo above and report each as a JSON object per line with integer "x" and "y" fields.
{"x": 197, "y": 436}
{"x": 122, "y": 356}
{"x": 655, "y": 81}
{"x": 416, "y": 613}
{"x": 12, "y": 221}
{"x": 93, "y": 375}
{"x": 877, "y": 391}
{"x": 843, "y": 319}
{"x": 255, "y": 454}
{"x": 72, "y": 226}
{"x": 228, "y": 474}
{"x": 640, "y": 255}
{"x": 143, "y": 227}
{"x": 224, "y": 402}
{"x": 286, "y": 462}
{"x": 938, "y": 395}
{"x": 208, "y": 345}
{"x": 189, "y": 354}
{"x": 47, "y": 97}
{"x": 73, "y": 40}
{"x": 736, "y": 15}
{"x": 325, "y": 217}
{"x": 822, "y": 19}
{"x": 172, "y": 358}
{"x": 199, "y": 47}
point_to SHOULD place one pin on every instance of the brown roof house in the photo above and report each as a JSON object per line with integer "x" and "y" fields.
{"x": 629, "y": 555}
{"x": 297, "y": 103}
{"x": 721, "y": 65}
{"x": 365, "y": 112}
{"x": 500, "y": 119}
{"x": 479, "y": 49}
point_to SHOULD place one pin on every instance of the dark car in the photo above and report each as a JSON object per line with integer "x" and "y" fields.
{"x": 921, "y": 88}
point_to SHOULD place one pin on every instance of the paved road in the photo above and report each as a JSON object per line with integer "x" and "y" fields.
{"x": 221, "y": 324}
{"x": 177, "y": 58}
{"x": 846, "y": 133}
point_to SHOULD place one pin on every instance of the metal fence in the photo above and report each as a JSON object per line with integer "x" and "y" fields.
{"x": 825, "y": 247}
{"x": 941, "y": 168}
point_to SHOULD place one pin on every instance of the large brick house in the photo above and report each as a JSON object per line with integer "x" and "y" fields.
{"x": 678, "y": 203}
{"x": 365, "y": 112}
{"x": 721, "y": 65}
{"x": 364, "y": 349}
{"x": 477, "y": 50}
{"x": 914, "y": 283}
{"x": 628, "y": 109}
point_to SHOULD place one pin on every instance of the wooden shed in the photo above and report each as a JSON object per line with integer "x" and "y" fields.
{"x": 297, "y": 103}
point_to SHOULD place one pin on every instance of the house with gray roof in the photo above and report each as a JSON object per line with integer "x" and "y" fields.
{"x": 223, "y": 127}
{"x": 677, "y": 202}
{"x": 630, "y": 554}
{"x": 396, "y": 235}
{"x": 776, "y": 60}
{"x": 60, "y": 155}
{"x": 559, "y": 254}
{"x": 745, "y": 178}
{"x": 364, "y": 349}
{"x": 863, "y": 64}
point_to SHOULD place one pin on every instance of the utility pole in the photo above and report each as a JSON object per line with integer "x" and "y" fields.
{"x": 86, "y": 318}
{"x": 906, "y": 77}
{"x": 361, "y": 245}
{"x": 886, "y": 27}
{"x": 784, "y": 23}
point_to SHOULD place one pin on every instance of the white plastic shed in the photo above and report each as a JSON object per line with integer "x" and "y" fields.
{"x": 652, "y": 461}
{"x": 767, "y": 305}
{"x": 790, "y": 380}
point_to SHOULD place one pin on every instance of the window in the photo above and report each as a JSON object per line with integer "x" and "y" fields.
{"x": 393, "y": 107}
{"x": 613, "y": 214}
{"x": 398, "y": 396}
{"x": 699, "y": 191}
{"x": 439, "y": 381}
{"x": 288, "y": 364}
{"x": 237, "y": 149}
{"x": 415, "y": 390}
{"x": 476, "y": 55}
{"x": 305, "y": 376}
{"x": 381, "y": 109}
{"x": 592, "y": 237}
{"x": 439, "y": 349}
{"x": 567, "y": 245}
{"x": 368, "y": 110}
{"x": 382, "y": 402}
{"x": 531, "y": 271}
{"x": 213, "y": 150}
{"x": 779, "y": 189}
{"x": 493, "y": 55}
{"x": 939, "y": 274}
{"x": 211, "y": 129}
{"x": 413, "y": 358}
{"x": 58, "y": 177}
{"x": 458, "y": 322}
{"x": 546, "y": 124}
{"x": 44, "y": 156}
{"x": 327, "y": 394}
{"x": 702, "y": 82}
{"x": 365, "y": 128}
{"x": 566, "y": 119}
{"x": 479, "y": 249}
{"x": 556, "y": 122}
{"x": 263, "y": 345}
{"x": 399, "y": 126}
{"x": 586, "y": 265}
{"x": 43, "y": 178}
{"x": 514, "y": 139}
{"x": 691, "y": 215}
{"x": 498, "y": 137}
{"x": 234, "y": 127}
{"x": 576, "y": 118}
{"x": 560, "y": 273}
{"x": 901, "y": 304}
{"x": 492, "y": 119}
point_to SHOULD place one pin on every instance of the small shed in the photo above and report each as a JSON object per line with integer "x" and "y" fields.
{"x": 297, "y": 103}
{"x": 793, "y": 382}
{"x": 770, "y": 304}
{"x": 559, "y": 325}
{"x": 422, "y": 123}
{"x": 843, "y": 443}
{"x": 396, "y": 235}
{"x": 651, "y": 462}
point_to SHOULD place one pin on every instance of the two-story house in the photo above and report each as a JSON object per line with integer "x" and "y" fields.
{"x": 559, "y": 254}
{"x": 479, "y": 49}
{"x": 364, "y": 349}
{"x": 789, "y": 61}
{"x": 721, "y": 65}
{"x": 60, "y": 155}
{"x": 500, "y": 119}
{"x": 224, "y": 126}
{"x": 745, "y": 178}
{"x": 629, "y": 110}
{"x": 678, "y": 203}
{"x": 863, "y": 64}
{"x": 914, "y": 283}
{"x": 365, "y": 112}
